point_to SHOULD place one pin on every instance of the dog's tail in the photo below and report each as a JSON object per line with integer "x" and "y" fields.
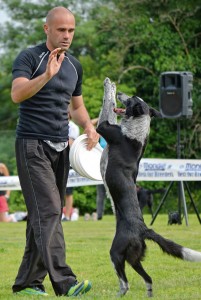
{"x": 172, "y": 248}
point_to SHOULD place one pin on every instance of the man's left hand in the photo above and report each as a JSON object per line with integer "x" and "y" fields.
{"x": 93, "y": 137}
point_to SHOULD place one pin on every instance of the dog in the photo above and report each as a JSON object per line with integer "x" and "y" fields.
{"x": 145, "y": 197}
{"x": 119, "y": 165}
{"x": 174, "y": 218}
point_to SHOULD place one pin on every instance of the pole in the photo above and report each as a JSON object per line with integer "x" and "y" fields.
{"x": 181, "y": 194}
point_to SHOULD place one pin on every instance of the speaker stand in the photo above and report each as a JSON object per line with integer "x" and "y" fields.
{"x": 181, "y": 194}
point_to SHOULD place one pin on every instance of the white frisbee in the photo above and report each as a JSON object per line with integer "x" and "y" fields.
{"x": 83, "y": 161}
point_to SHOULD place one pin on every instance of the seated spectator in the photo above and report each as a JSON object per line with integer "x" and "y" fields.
{"x": 4, "y": 196}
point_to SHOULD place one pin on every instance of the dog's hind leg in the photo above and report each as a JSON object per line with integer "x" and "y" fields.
{"x": 147, "y": 279}
{"x": 119, "y": 266}
{"x": 118, "y": 259}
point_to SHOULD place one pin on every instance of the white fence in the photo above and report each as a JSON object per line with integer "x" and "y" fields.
{"x": 150, "y": 169}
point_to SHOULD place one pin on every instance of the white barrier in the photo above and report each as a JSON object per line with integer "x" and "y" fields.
{"x": 156, "y": 169}
{"x": 150, "y": 169}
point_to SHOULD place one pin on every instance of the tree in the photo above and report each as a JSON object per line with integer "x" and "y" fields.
{"x": 148, "y": 38}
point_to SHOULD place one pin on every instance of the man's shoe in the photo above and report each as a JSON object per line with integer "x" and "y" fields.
{"x": 79, "y": 288}
{"x": 34, "y": 291}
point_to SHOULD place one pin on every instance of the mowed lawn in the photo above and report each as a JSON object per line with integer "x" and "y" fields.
{"x": 88, "y": 244}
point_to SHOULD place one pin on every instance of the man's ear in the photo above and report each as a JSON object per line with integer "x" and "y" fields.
{"x": 45, "y": 27}
{"x": 154, "y": 113}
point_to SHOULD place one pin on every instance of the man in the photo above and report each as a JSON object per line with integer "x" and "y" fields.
{"x": 46, "y": 80}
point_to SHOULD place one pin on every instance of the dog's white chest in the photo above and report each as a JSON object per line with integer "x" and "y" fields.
{"x": 137, "y": 129}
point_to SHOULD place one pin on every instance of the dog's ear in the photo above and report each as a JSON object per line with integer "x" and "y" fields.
{"x": 154, "y": 113}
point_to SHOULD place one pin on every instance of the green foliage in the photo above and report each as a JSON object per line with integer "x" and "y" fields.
{"x": 16, "y": 202}
{"x": 7, "y": 149}
{"x": 85, "y": 199}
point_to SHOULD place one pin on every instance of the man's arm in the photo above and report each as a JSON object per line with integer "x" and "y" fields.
{"x": 81, "y": 117}
{"x": 23, "y": 88}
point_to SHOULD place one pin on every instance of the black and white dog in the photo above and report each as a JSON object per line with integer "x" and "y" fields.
{"x": 119, "y": 168}
{"x": 146, "y": 197}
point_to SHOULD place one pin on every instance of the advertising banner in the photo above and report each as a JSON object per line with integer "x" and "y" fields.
{"x": 150, "y": 169}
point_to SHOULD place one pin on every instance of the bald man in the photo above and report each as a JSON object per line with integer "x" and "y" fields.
{"x": 47, "y": 83}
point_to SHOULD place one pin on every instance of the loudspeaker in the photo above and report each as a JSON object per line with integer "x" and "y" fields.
{"x": 175, "y": 94}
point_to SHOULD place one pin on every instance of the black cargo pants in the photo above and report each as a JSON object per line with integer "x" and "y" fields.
{"x": 43, "y": 175}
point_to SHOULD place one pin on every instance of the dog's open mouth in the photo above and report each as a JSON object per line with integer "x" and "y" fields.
{"x": 119, "y": 111}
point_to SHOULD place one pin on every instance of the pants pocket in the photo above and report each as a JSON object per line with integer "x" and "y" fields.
{"x": 31, "y": 148}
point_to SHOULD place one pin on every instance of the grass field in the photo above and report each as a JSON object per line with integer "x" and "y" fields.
{"x": 88, "y": 244}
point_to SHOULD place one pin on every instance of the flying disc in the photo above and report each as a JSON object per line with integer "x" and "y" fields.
{"x": 89, "y": 161}
{"x": 86, "y": 162}
{"x": 73, "y": 149}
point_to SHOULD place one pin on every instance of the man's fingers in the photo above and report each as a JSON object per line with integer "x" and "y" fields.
{"x": 92, "y": 141}
{"x": 91, "y": 144}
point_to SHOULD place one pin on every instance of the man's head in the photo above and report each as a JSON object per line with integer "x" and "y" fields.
{"x": 59, "y": 28}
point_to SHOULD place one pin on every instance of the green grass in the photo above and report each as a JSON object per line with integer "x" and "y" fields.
{"x": 88, "y": 244}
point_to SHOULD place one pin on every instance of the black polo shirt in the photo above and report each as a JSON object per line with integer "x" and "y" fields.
{"x": 44, "y": 115}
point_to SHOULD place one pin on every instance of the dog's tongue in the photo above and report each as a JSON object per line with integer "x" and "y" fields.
{"x": 119, "y": 111}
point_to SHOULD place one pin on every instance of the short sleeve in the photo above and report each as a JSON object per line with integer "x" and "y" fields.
{"x": 23, "y": 65}
{"x": 78, "y": 89}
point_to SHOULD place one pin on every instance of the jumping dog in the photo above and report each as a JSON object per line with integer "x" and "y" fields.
{"x": 119, "y": 165}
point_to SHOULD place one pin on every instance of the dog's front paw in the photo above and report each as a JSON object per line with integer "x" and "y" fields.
{"x": 107, "y": 81}
{"x": 107, "y": 91}
{"x": 122, "y": 292}
{"x": 109, "y": 103}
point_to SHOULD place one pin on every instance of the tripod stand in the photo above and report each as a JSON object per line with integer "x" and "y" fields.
{"x": 181, "y": 194}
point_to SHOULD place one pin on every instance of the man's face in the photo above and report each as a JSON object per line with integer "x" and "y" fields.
{"x": 60, "y": 31}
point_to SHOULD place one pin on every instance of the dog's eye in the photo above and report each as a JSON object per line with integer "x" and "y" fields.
{"x": 128, "y": 102}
